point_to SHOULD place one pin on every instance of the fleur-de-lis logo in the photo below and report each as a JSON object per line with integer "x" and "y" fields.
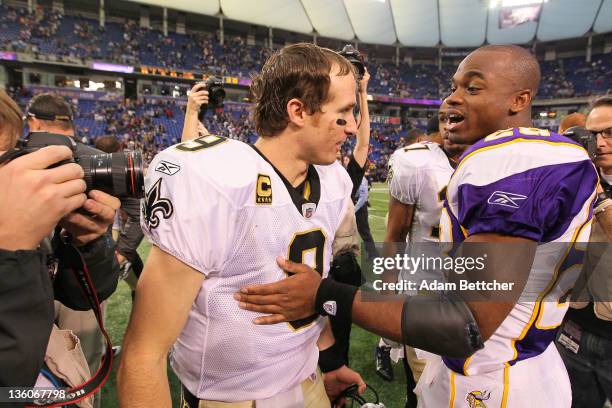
{"x": 154, "y": 204}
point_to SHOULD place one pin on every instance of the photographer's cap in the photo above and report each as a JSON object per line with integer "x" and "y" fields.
{"x": 49, "y": 107}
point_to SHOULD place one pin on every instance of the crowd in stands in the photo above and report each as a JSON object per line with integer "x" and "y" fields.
{"x": 150, "y": 124}
{"x": 46, "y": 31}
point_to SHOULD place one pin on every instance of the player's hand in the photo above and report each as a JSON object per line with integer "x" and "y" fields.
{"x": 99, "y": 214}
{"x": 286, "y": 300}
{"x": 120, "y": 258}
{"x": 363, "y": 82}
{"x": 198, "y": 96}
{"x": 34, "y": 198}
{"x": 338, "y": 380}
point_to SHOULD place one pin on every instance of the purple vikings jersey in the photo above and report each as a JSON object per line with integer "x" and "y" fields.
{"x": 534, "y": 184}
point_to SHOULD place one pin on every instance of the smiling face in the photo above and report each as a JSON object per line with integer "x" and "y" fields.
{"x": 324, "y": 132}
{"x": 454, "y": 150}
{"x": 600, "y": 119}
{"x": 488, "y": 94}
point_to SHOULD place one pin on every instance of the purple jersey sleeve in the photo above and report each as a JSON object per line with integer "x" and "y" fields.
{"x": 537, "y": 200}
{"x": 538, "y": 204}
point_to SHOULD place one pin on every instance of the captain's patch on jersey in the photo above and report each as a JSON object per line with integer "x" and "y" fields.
{"x": 154, "y": 205}
{"x": 263, "y": 189}
{"x": 167, "y": 168}
{"x": 506, "y": 199}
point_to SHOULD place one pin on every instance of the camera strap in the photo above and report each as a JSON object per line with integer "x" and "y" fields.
{"x": 93, "y": 385}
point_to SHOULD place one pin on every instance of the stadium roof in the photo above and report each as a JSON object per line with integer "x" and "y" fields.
{"x": 416, "y": 23}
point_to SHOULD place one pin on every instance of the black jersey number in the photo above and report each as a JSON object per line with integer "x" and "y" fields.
{"x": 303, "y": 243}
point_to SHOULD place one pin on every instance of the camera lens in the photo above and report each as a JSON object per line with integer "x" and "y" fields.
{"x": 118, "y": 174}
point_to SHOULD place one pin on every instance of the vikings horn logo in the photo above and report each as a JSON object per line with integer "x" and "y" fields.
{"x": 153, "y": 204}
{"x": 475, "y": 399}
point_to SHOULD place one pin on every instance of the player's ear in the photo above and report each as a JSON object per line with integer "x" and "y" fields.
{"x": 296, "y": 112}
{"x": 522, "y": 100}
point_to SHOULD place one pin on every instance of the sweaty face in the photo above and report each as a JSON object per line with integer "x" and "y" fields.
{"x": 600, "y": 119}
{"x": 324, "y": 136}
{"x": 482, "y": 91}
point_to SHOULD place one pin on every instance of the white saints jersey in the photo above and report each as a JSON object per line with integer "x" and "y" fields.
{"x": 219, "y": 206}
{"x": 533, "y": 184}
{"x": 418, "y": 175}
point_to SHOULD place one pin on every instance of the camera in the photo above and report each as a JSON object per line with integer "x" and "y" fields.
{"x": 118, "y": 174}
{"x": 350, "y": 53}
{"x": 216, "y": 95}
{"x": 582, "y": 136}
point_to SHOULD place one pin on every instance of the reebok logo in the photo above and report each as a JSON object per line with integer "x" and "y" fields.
{"x": 167, "y": 168}
{"x": 506, "y": 199}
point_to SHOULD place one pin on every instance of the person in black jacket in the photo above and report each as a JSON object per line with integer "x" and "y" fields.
{"x": 51, "y": 113}
{"x": 34, "y": 201}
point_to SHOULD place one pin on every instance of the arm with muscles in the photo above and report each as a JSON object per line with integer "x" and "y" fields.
{"x": 403, "y": 193}
{"x": 398, "y": 225}
{"x": 362, "y": 145}
{"x": 460, "y": 327}
{"x": 142, "y": 375}
{"x": 336, "y": 375}
{"x": 192, "y": 127}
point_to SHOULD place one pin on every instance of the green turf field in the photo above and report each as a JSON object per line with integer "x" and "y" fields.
{"x": 362, "y": 342}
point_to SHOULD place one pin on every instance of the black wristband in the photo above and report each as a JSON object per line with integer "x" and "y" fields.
{"x": 335, "y": 299}
{"x": 331, "y": 358}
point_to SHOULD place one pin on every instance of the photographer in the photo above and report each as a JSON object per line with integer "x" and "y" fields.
{"x": 35, "y": 200}
{"x": 585, "y": 338}
{"x": 89, "y": 229}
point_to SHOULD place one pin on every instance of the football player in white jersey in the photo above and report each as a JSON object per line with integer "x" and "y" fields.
{"x": 526, "y": 195}
{"x": 222, "y": 214}
{"x": 418, "y": 175}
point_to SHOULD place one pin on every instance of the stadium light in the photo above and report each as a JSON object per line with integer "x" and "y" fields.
{"x": 514, "y": 3}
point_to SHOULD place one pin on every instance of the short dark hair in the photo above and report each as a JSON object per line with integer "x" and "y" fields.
{"x": 413, "y": 135}
{"x": 605, "y": 100}
{"x": 51, "y": 109}
{"x": 298, "y": 71}
{"x": 433, "y": 125}
{"x": 108, "y": 144}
